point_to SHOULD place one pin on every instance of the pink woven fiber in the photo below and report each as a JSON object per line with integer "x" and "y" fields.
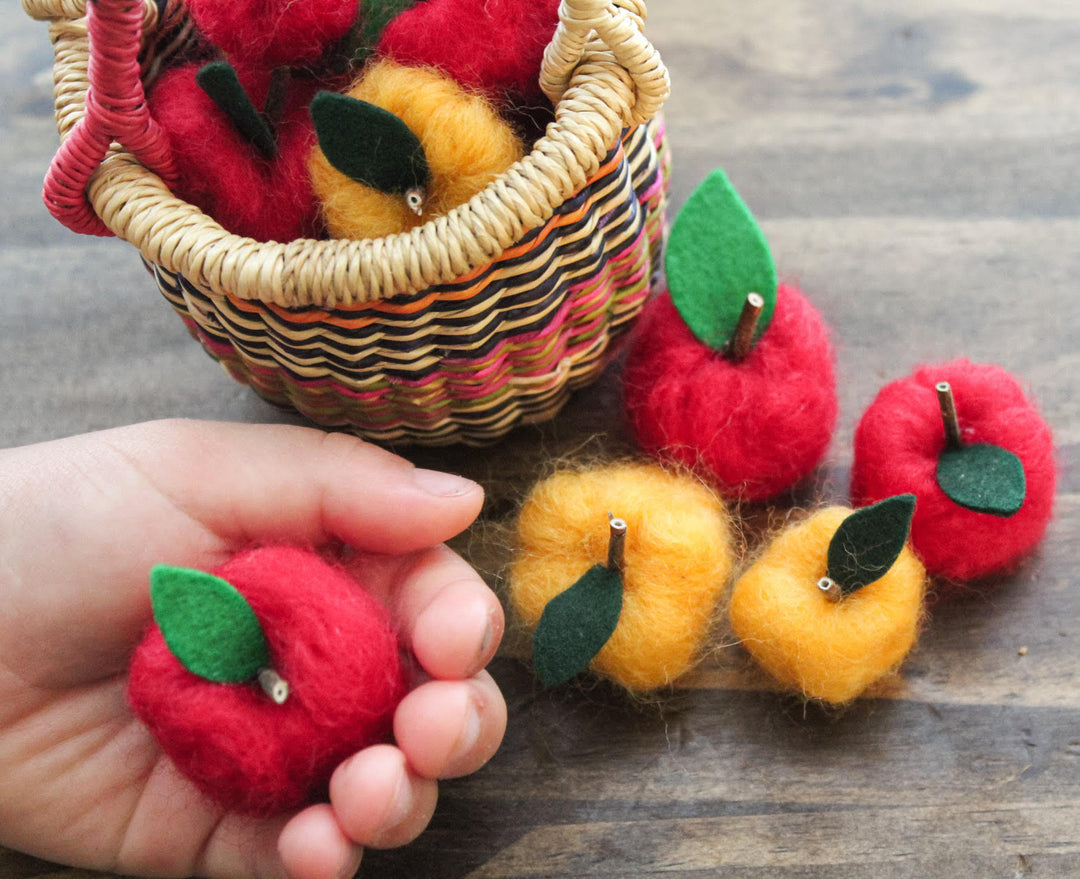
{"x": 115, "y": 110}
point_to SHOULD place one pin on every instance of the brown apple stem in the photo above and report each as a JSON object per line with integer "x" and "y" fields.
{"x": 948, "y": 415}
{"x": 274, "y": 685}
{"x": 742, "y": 340}
{"x": 274, "y": 108}
{"x": 831, "y": 588}
{"x": 616, "y": 551}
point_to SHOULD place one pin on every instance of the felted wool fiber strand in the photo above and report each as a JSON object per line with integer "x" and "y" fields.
{"x": 332, "y": 642}
{"x": 466, "y": 143}
{"x": 825, "y": 650}
{"x": 678, "y": 558}
{"x": 752, "y": 428}
{"x": 897, "y": 445}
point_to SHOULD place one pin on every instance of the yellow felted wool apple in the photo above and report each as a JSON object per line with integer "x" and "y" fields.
{"x": 640, "y": 617}
{"x": 404, "y": 145}
{"x": 834, "y": 603}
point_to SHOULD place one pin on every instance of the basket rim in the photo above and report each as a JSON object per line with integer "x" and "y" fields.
{"x": 599, "y": 68}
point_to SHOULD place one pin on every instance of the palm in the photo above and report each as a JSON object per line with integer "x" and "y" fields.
{"x": 92, "y": 777}
{"x": 72, "y": 755}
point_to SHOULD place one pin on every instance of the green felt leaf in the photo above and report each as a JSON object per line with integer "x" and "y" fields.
{"x": 377, "y": 14}
{"x": 576, "y": 624}
{"x": 207, "y": 624}
{"x": 868, "y": 542}
{"x": 218, "y": 79}
{"x": 716, "y": 255}
{"x": 369, "y": 144}
{"x": 983, "y": 477}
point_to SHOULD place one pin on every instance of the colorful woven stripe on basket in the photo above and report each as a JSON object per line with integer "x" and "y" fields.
{"x": 464, "y": 361}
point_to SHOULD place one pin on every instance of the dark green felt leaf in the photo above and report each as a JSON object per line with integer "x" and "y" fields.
{"x": 369, "y": 144}
{"x": 868, "y": 542}
{"x": 218, "y": 79}
{"x": 207, "y": 624}
{"x": 576, "y": 624}
{"x": 983, "y": 477}
{"x": 716, "y": 255}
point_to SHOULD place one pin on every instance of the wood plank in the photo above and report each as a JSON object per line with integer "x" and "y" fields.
{"x": 786, "y": 840}
{"x": 916, "y": 169}
{"x": 738, "y": 780}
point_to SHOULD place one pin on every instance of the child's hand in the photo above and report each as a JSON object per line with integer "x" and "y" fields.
{"x": 84, "y": 519}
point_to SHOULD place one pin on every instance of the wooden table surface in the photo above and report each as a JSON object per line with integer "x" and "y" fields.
{"x": 916, "y": 166}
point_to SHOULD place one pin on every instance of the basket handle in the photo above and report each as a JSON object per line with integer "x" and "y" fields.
{"x": 115, "y": 110}
{"x": 620, "y": 26}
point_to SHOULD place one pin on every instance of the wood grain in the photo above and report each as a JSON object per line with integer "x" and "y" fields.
{"x": 916, "y": 166}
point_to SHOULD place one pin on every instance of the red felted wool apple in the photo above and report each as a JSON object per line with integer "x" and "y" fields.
{"x": 269, "y": 33}
{"x": 968, "y": 442}
{"x": 259, "y": 679}
{"x": 491, "y": 46}
{"x": 244, "y": 167}
{"x": 730, "y": 373}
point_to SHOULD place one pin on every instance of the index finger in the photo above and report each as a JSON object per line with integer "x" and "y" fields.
{"x": 263, "y": 483}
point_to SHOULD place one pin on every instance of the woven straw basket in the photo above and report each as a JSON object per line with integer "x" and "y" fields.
{"x": 454, "y": 332}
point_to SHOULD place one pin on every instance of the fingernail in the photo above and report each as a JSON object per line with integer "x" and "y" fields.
{"x": 489, "y": 636}
{"x": 351, "y": 864}
{"x": 470, "y": 731}
{"x": 443, "y": 484}
{"x": 402, "y": 806}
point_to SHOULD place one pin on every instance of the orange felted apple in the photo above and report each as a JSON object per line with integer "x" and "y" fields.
{"x": 750, "y": 406}
{"x": 834, "y": 602}
{"x": 629, "y": 596}
{"x": 259, "y": 679}
{"x": 403, "y": 146}
{"x": 985, "y": 483}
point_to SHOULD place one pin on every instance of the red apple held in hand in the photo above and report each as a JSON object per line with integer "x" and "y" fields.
{"x": 278, "y": 616}
{"x": 753, "y": 421}
{"x": 253, "y": 188}
{"x": 985, "y": 499}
